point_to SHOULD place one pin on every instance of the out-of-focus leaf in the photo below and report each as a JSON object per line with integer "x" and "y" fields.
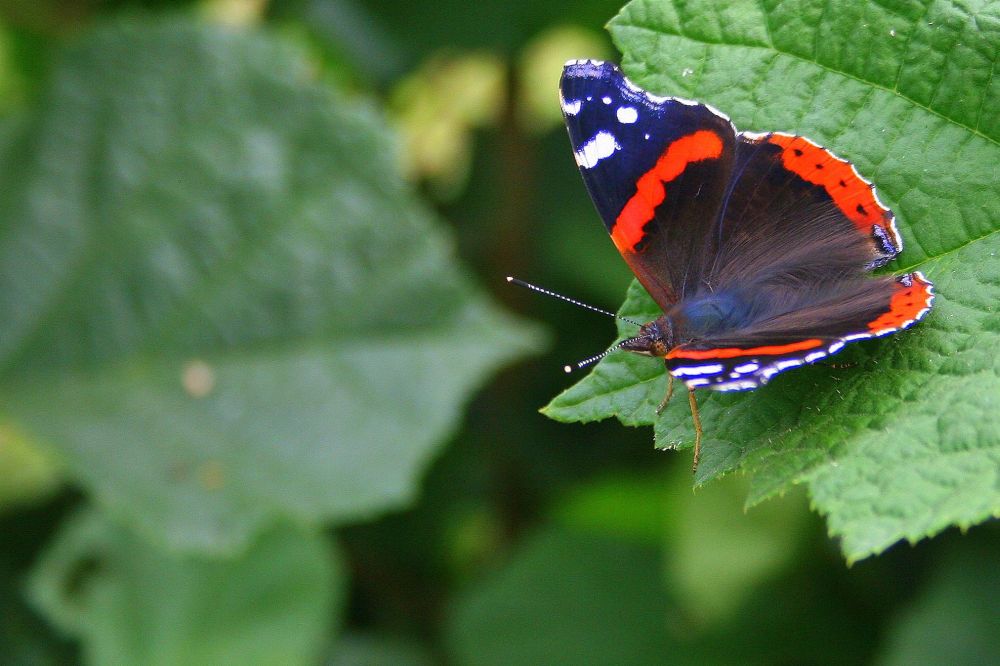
{"x": 348, "y": 31}
{"x": 436, "y": 109}
{"x": 717, "y": 553}
{"x": 631, "y": 507}
{"x": 954, "y": 620}
{"x": 499, "y": 25}
{"x": 569, "y": 598}
{"x": 373, "y": 649}
{"x": 233, "y": 12}
{"x": 12, "y": 83}
{"x": 131, "y": 603}
{"x": 25, "y": 639}
{"x": 565, "y": 598}
{"x": 539, "y": 68}
{"x": 219, "y": 304}
{"x": 907, "y": 441}
{"x": 27, "y": 473}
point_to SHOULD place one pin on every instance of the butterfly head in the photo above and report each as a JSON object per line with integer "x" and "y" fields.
{"x": 655, "y": 338}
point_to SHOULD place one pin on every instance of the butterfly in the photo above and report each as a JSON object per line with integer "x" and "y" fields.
{"x": 757, "y": 247}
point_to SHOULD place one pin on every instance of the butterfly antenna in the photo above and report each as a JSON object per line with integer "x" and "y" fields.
{"x": 528, "y": 285}
{"x": 594, "y": 359}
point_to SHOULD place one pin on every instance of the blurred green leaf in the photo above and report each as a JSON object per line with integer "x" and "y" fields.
{"x": 634, "y": 507}
{"x": 131, "y": 603}
{"x": 219, "y": 304}
{"x": 539, "y": 67}
{"x": 27, "y": 473}
{"x": 717, "y": 553}
{"x": 907, "y": 442}
{"x": 569, "y": 598}
{"x": 502, "y": 26}
{"x": 954, "y": 620}
{"x": 346, "y": 31}
{"x": 565, "y": 598}
{"x": 375, "y": 649}
{"x": 25, "y": 639}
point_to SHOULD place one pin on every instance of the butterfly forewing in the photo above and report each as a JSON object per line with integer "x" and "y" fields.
{"x": 656, "y": 168}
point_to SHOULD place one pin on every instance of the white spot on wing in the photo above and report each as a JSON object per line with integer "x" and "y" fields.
{"x": 572, "y": 108}
{"x": 741, "y": 385}
{"x": 596, "y": 149}
{"x": 606, "y": 99}
{"x": 627, "y": 115}
{"x": 713, "y": 369}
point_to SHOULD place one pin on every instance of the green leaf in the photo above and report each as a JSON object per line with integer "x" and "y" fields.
{"x": 717, "y": 554}
{"x": 25, "y": 638}
{"x": 953, "y": 621}
{"x": 131, "y": 603}
{"x": 896, "y": 438}
{"x": 633, "y": 507}
{"x": 27, "y": 473}
{"x": 219, "y": 303}
{"x": 566, "y": 598}
{"x": 356, "y": 649}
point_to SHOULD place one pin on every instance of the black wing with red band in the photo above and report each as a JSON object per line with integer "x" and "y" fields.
{"x": 657, "y": 169}
{"x": 781, "y": 173}
{"x": 756, "y": 246}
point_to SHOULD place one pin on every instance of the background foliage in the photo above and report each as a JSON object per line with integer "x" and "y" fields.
{"x": 246, "y": 333}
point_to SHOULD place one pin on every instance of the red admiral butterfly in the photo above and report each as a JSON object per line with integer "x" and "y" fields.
{"x": 756, "y": 247}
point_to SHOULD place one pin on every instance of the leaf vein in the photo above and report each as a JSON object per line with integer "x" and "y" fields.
{"x": 834, "y": 70}
{"x": 948, "y": 252}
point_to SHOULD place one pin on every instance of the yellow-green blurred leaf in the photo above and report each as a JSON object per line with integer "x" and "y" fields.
{"x": 27, "y": 472}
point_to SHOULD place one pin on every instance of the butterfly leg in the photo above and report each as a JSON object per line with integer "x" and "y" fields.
{"x": 697, "y": 429}
{"x": 670, "y": 392}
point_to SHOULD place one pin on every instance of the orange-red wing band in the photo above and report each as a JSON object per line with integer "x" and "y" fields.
{"x": 733, "y": 352}
{"x": 909, "y": 302}
{"x": 907, "y": 305}
{"x": 650, "y": 190}
{"x": 813, "y": 164}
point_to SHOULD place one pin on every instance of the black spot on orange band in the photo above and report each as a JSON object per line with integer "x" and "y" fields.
{"x": 816, "y": 165}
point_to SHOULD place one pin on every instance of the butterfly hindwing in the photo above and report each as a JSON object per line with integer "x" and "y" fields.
{"x": 746, "y": 358}
{"x": 799, "y": 231}
{"x": 783, "y": 184}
